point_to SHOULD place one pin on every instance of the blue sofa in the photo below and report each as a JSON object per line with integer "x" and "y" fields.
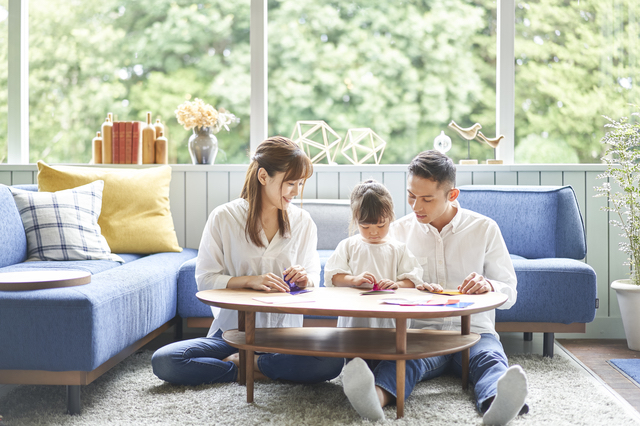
{"x": 70, "y": 336}
{"x": 543, "y": 230}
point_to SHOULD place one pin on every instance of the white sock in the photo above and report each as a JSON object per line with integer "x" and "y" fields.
{"x": 511, "y": 395}
{"x": 359, "y": 386}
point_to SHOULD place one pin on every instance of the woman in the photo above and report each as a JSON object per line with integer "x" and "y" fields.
{"x": 254, "y": 242}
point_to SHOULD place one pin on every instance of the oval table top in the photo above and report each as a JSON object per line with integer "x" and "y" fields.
{"x": 348, "y": 301}
{"x": 42, "y": 279}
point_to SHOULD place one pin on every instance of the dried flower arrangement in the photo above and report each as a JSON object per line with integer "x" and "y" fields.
{"x": 198, "y": 114}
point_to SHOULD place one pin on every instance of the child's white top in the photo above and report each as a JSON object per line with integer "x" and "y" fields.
{"x": 388, "y": 260}
{"x": 225, "y": 252}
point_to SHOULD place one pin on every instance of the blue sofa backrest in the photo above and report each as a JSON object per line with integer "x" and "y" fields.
{"x": 13, "y": 241}
{"x": 536, "y": 221}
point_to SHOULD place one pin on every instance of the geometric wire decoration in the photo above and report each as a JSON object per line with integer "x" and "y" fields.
{"x": 317, "y": 139}
{"x": 363, "y": 144}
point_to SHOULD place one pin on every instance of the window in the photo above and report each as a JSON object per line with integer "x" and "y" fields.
{"x": 575, "y": 62}
{"x": 129, "y": 57}
{"x": 4, "y": 43}
{"x": 400, "y": 68}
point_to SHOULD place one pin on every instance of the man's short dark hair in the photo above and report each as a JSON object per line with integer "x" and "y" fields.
{"x": 435, "y": 166}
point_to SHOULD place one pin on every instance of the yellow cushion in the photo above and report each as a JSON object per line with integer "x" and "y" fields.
{"x": 135, "y": 217}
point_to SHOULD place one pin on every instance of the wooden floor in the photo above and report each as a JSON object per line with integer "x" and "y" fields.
{"x": 594, "y": 353}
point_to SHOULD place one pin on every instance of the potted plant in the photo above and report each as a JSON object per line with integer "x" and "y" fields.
{"x": 622, "y": 190}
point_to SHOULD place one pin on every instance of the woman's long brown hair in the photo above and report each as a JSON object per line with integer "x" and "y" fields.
{"x": 276, "y": 155}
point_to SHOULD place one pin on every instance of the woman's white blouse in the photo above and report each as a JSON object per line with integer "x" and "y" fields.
{"x": 225, "y": 252}
{"x": 389, "y": 260}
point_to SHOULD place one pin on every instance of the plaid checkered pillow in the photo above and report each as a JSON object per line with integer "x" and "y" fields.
{"x": 63, "y": 225}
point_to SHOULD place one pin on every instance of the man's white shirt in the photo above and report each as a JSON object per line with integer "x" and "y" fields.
{"x": 469, "y": 243}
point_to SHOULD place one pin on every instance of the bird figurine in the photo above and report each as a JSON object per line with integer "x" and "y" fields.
{"x": 469, "y": 133}
{"x": 493, "y": 143}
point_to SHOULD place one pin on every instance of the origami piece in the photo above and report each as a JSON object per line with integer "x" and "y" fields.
{"x": 317, "y": 139}
{"x": 365, "y": 142}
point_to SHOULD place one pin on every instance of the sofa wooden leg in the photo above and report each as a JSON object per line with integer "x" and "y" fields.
{"x": 528, "y": 336}
{"x": 178, "y": 332}
{"x": 547, "y": 344}
{"x": 73, "y": 399}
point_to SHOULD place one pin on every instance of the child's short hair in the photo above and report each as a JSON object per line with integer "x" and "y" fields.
{"x": 371, "y": 202}
{"x": 435, "y": 166}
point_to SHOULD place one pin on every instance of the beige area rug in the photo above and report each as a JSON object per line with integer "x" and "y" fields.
{"x": 560, "y": 393}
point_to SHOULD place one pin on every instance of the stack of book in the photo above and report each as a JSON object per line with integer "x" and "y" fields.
{"x": 130, "y": 142}
{"x": 126, "y": 142}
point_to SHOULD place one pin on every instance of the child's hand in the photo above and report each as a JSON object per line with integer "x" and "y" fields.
{"x": 364, "y": 278}
{"x": 296, "y": 274}
{"x": 432, "y": 287}
{"x": 386, "y": 284}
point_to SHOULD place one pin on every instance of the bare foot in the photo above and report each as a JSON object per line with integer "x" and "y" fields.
{"x": 257, "y": 375}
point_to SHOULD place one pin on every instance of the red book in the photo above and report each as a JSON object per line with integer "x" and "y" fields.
{"x": 115, "y": 144}
{"x": 135, "y": 142}
{"x": 128, "y": 142}
{"x": 122, "y": 141}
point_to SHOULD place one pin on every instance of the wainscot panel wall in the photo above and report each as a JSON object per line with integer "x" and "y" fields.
{"x": 197, "y": 190}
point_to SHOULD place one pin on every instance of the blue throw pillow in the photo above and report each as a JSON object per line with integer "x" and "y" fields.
{"x": 63, "y": 225}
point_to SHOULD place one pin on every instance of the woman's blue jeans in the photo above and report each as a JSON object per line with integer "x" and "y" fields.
{"x": 197, "y": 361}
{"x": 487, "y": 363}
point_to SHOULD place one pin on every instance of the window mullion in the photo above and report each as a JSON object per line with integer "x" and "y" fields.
{"x": 258, "y": 41}
{"x": 18, "y": 82}
{"x": 505, "y": 81}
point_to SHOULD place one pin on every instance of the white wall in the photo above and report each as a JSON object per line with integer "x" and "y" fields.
{"x": 197, "y": 190}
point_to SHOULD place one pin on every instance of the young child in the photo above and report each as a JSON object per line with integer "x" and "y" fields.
{"x": 370, "y": 258}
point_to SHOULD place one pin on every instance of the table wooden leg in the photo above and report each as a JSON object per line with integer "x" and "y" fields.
{"x": 401, "y": 348}
{"x": 242, "y": 377}
{"x": 465, "y": 329}
{"x": 250, "y": 334}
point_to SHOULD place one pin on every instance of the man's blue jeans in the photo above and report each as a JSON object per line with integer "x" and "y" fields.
{"x": 197, "y": 361}
{"x": 487, "y": 363}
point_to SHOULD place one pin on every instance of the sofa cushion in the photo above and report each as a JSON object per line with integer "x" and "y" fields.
{"x": 135, "y": 216}
{"x": 554, "y": 226}
{"x": 334, "y": 217}
{"x": 13, "y": 241}
{"x": 79, "y": 328}
{"x": 552, "y": 290}
{"x": 63, "y": 225}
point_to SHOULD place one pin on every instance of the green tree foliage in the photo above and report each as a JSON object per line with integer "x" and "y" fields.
{"x": 402, "y": 68}
{"x": 575, "y": 62}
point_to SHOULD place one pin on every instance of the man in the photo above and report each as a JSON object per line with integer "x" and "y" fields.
{"x": 458, "y": 249}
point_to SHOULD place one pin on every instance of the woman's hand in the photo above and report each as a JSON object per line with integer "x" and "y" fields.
{"x": 267, "y": 282}
{"x": 432, "y": 287}
{"x": 296, "y": 274}
{"x": 475, "y": 284}
{"x": 386, "y": 284}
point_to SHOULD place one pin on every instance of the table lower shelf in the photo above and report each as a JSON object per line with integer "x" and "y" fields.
{"x": 368, "y": 343}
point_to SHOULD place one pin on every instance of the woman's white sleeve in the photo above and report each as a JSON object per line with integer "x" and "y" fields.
{"x": 210, "y": 261}
{"x": 408, "y": 267}
{"x": 338, "y": 263}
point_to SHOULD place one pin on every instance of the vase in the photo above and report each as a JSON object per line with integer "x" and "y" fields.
{"x": 629, "y": 300}
{"x": 203, "y": 146}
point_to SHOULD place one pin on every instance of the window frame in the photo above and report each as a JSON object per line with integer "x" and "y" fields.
{"x": 18, "y": 79}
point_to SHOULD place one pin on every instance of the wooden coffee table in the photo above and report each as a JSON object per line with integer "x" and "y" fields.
{"x": 397, "y": 344}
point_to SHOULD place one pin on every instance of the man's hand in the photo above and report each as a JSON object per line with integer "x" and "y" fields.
{"x": 475, "y": 284}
